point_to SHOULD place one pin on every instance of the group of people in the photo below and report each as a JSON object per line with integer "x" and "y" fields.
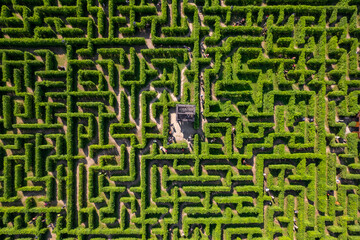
{"x": 293, "y": 67}
{"x": 202, "y": 49}
{"x": 240, "y": 23}
{"x": 295, "y": 227}
{"x": 171, "y": 138}
{"x": 338, "y": 139}
{"x": 105, "y": 173}
{"x": 264, "y": 31}
{"x": 51, "y": 225}
{"x": 330, "y": 193}
{"x": 267, "y": 190}
{"x": 245, "y": 162}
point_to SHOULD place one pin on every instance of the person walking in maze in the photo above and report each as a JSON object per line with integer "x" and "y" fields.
{"x": 163, "y": 149}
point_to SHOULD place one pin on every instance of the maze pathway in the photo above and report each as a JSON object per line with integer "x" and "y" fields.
{"x": 89, "y": 143}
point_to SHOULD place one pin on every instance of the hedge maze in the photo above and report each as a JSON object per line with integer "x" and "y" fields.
{"x": 89, "y": 148}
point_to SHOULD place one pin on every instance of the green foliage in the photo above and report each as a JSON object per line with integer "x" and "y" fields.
{"x": 89, "y": 141}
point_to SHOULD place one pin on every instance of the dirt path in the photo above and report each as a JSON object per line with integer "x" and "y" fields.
{"x": 183, "y": 77}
